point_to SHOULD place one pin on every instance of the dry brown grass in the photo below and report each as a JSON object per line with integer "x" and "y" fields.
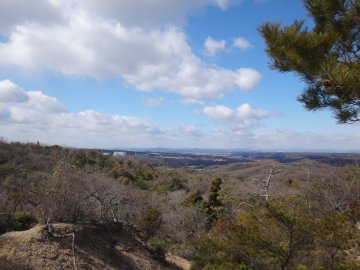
{"x": 95, "y": 248}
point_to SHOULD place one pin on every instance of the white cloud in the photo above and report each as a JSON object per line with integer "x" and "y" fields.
{"x": 218, "y": 112}
{"x": 45, "y": 103}
{"x": 43, "y": 118}
{"x": 154, "y": 102}
{"x": 241, "y": 43}
{"x": 280, "y": 139}
{"x": 245, "y": 111}
{"x": 10, "y": 92}
{"x": 19, "y": 106}
{"x": 145, "y": 12}
{"x": 306, "y": 140}
{"x": 132, "y": 13}
{"x": 191, "y": 101}
{"x": 247, "y": 78}
{"x": 180, "y": 134}
{"x": 91, "y": 121}
{"x": 155, "y": 58}
{"x": 240, "y": 119}
{"x": 22, "y": 12}
{"x": 4, "y": 114}
{"x": 213, "y": 46}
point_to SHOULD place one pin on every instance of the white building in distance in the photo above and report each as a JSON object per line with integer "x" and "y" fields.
{"x": 119, "y": 154}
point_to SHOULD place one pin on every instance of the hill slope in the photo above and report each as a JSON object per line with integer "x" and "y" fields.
{"x": 101, "y": 247}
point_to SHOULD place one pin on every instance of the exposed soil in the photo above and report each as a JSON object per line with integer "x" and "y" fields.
{"x": 178, "y": 261}
{"x": 96, "y": 247}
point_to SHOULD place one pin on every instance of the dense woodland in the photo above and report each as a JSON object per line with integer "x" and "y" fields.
{"x": 215, "y": 217}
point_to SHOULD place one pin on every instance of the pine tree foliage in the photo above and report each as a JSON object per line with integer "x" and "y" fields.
{"x": 326, "y": 57}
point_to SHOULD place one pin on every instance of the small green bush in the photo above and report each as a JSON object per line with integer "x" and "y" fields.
{"x": 176, "y": 184}
{"x": 158, "y": 249}
{"x": 23, "y": 220}
{"x": 193, "y": 198}
{"x": 19, "y": 221}
{"x": 151, "y": 222}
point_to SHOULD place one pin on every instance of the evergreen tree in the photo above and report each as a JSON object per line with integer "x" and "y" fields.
{"x": 326, "y": 57}
{"x": 213, "y": 206}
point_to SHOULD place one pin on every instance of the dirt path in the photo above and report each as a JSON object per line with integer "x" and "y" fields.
{"x": 178, "y": 261}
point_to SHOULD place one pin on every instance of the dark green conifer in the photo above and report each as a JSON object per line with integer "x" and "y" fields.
{"x": 326, "y": 57}
{"x": 213, "y": 206}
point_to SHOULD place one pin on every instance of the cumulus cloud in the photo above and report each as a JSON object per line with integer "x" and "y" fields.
{"x": 240, "y": 119}
{"x": 92, "y": 121}
{"x": 218, "y": 112}
{"x": 43, "y": 118}
{"x": 4, "y": 114}
{"x": 21, "y": 106}
{"x": 21, "y": 12}
{"x": 241, "y": 43}
{"x": 45, "y": 103}
{"x": 154, "y": 58}
{"x": 213, "y": 46}
{"x": 144, "y": 12}
{"x": 10, "y": 92}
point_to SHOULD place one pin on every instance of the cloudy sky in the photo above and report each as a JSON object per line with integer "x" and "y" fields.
{"x": 154, "y": 73}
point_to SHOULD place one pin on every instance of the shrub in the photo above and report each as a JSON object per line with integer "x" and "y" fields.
{"x": 6, "y": 169}
{"x": 194, "y": 198}
{"x": 151, "y": 222}
{"x": 176, "y": 184}
{"x": 23, "y": 220}
{"x": 157, "y": 248}
{"x": 18, "y": 221}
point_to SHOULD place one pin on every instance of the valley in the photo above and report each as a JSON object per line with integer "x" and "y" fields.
{"x": 170, "y": 210}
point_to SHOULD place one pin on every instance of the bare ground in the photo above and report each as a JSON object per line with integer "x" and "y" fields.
{"x": 95, "y": 248}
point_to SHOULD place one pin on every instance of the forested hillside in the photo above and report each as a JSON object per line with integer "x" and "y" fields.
{"x": 218, "y": 218}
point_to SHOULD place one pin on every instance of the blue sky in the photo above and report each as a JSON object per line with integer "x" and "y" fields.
{"x": 160, "y": 73}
